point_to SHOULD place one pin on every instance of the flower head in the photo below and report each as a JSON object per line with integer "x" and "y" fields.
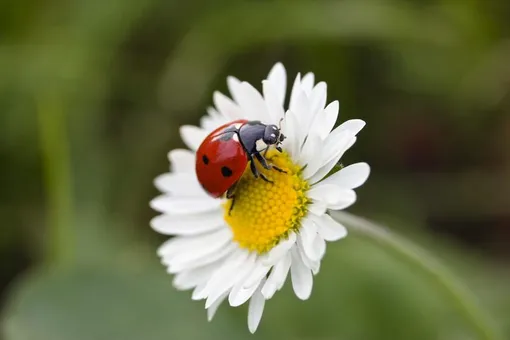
{"x": 244, "y": 249}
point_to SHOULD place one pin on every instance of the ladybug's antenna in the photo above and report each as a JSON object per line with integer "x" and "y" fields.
{"x": 281, "y": 136}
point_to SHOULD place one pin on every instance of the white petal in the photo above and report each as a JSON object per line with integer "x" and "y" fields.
{"x": 307, "y": 83}
{"x": 313, "y": 153}
{"x": 302, "y": 280}
{"x": 194, "y": 277}
{"x": 306, "y": 238}
{"x": 316, "y": 266}
{"x": 325, "y": 121}
{"x": 278, "y": 252}
{"x": 347, "y": 198}
{"x": 175, "y": 267}
{"x": 318, "y": 98}
{"x": 235, "y": 89}
{"x": 324, "y": 193}
{"x": 255, "y": 310}
{"x": 179, "y": 183}
{"x": 214, "y": 307}
{"x": 239, "y": 295}
{"x": 319, "y": 244}
{"x": 313, "y": 265}
{"x": 350, "y": 177}
{"x": 274, "y": 106}
{"x": 325, "y": 169}
{"x": 188, "y": 224}
{"x": 277, "y": 278}
{"x": 207, "y": 123}
{"x": 212, "y": 120}
{"x": 296, "y": 90}
{"x": 252, "y": 103}
{"x": 227, "y": 107}
{"x": 225, "y": 277}
{"x": 184, "y": 205}
{"x": 269, "y": 290}
{"x": 317, "y": 208}
{"x": 328, "y": 228}
{"x": 278, "y": 79}
{"x": 207, "y": 254}
{"x": 179, "y": 244}
{"x": 182, "y": 160}
{"x": 256, "y": 275}
{"x": 335, "y": 197}
{"x": 286, "y": 262}
{"x": 290, "y": 127}
{"x": 353, "y": 125}
{"x": 192, "y": 136}
{"x": 304, "y": 118}
{"x": 215, "y": 114}
{"x": 312, "y": 144}
{"x": 198, "y": 292}
{"x": 337, "y": 143}
{"x": 169, "y": 245}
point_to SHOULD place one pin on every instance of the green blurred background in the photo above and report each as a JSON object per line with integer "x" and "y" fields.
{"x": 92, "y": 94}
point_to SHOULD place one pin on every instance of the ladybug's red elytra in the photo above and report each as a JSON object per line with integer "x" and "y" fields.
{"x": 224, "y": 154}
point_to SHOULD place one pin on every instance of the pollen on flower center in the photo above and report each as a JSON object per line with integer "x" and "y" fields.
{"x": 264, "y": 213}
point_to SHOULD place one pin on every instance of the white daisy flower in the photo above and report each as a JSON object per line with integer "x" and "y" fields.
{"x": 273, "y": 228}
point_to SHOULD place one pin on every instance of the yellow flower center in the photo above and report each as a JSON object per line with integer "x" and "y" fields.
{"x": 264, "y": 213}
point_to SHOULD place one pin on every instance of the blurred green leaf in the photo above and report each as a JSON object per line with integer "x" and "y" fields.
{"x": 107, "y": 303}
{"x": 208, "y": 46}
{"x": 385, "y": 61}
{"x": 486, "y": 85}
{"x": 437, "y": 276}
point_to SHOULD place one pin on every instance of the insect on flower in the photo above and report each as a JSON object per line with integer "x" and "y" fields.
{"x": 224, "y": 154}
{"x": 278, "y": 162}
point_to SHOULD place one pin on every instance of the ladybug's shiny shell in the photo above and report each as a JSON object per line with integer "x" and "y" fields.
{"x": 221, "y": 159}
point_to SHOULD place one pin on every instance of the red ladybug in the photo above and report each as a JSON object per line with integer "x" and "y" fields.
{"x": 223, "y": 155}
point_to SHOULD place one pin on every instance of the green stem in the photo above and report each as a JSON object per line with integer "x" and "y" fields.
{"x": 59, "y": 245}
{"x": 460, "y": 296}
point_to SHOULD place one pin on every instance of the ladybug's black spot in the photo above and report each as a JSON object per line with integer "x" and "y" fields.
{"x": 226, "y": 171}
{"x": 205, "y": 159}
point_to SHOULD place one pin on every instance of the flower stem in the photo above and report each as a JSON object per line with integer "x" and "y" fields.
{"x": 460, "y": 296}
{"x": 54, "y": 146}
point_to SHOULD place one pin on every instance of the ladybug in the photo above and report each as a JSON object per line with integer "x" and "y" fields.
{"x": 224, "y": 154}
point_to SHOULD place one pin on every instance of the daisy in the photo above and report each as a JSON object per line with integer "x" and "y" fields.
{"x": 273, "y": 228}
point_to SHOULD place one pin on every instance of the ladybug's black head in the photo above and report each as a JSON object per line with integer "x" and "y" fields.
{"x": 273, "y": 135}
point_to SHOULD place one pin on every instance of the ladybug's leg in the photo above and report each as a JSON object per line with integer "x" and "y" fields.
{"x": 265, "y": 178}
{"x": 265, "y": 151}
{"x": 278, "y": 169}
{"x": 256, "y": 171}
{"x": 232, "y": 205}
{"x": 253, "y": 168}
{"x": 264, "y": 163}
{"x": 231, "y": 195}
